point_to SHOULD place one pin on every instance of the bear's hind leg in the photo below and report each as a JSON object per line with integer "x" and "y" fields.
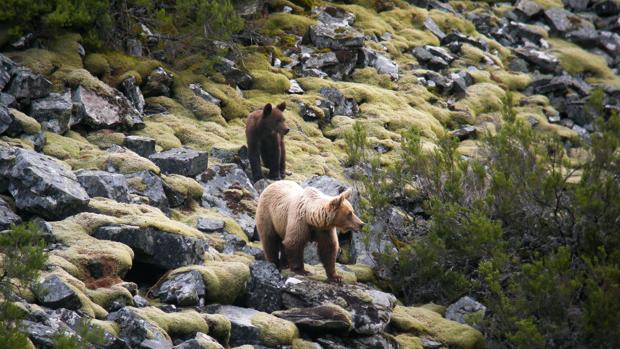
{"x": 294, "y": 243}
{"x": 327, "y": 246}
{"x": 268, "y": 237}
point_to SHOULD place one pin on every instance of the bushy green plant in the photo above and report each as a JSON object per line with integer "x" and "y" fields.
{"x": 355, "y": 144}
{"x": 511, "y": 229}
{"x": 21, "y": 259}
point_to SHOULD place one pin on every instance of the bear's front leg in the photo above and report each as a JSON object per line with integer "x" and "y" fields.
{"x": 327, "y": 245}
{"x": 255, "y": 164}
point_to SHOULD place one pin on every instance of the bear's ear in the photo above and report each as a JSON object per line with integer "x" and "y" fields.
{"x": 282, "y": 106}
{"x": 347, "y": 193}
{"x": 267, "y": 110}
{"x": 335, "y": 203}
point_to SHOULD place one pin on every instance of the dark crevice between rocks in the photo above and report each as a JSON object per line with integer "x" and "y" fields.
{"x": 144, "y": 275}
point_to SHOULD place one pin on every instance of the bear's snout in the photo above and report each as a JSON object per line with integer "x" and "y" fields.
{"x": 286, "y": 130}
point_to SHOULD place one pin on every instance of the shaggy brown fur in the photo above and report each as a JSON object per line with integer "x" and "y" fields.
{"x": 289, "y": 216}
{"x": 264, "y": 132}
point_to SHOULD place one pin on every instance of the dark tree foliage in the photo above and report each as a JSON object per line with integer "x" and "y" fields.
{"x": 531, "y": 233}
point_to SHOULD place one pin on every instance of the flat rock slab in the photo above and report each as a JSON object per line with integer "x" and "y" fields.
{"x": 370, "y": 309}
{"x": 183, "y": 161}
{"x": 152, "y": 246}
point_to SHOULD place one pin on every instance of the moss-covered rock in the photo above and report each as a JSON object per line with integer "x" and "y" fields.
{"x": 420, "y": 321}
{"x": 274, "y": 331}
{"x": 97, "y": 64}
{"x": 219, "y": 327}
{"x": 28, "y": 124}
{"x": 224, "y": 281}
{"x": 180, "y": 324}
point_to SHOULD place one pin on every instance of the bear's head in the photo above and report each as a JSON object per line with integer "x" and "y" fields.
{"x": 273, "y": 119}
{"x": 344, "y": 217}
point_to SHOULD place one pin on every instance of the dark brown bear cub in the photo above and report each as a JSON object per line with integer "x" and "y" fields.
{"x": 264, "y": 132}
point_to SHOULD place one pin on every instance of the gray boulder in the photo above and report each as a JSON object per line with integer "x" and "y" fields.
{"x": 233, "y": 74}
{"x": 264, "y": 290}
{"x": 184, "y": 289}
{"x": 342, "y": 105}
{"x": 155, "y": 247}
{"x": 370, "y": 309}
{"x": 183, "y": 161}
{"x": 102, "y": 111}
{"x": 41, "y": 184}
{"x": 228, "y": 189}
{"x": 158, "y": 83}
{"x": 466, "y": 310}
{"x": 209, "y": 225}
{"x": 150, "y": 187}
{"x": 143, "y": 146}
{"x": 542, "y": 60}
{"x": 7, "y": 216}
{"x": 104, "y": 184}
{"x": 6, "y": 119}
{"x": 6, "y": 70}
{"x": 27, "y": 85}
{"x": 137, "y": 332}
{"x": 335, "y": 37}
{"x": 131, "y": 90}
{"x": 242, "y": 330}
{"x": 54, "y": 112}
{"x": 53, "y": 292}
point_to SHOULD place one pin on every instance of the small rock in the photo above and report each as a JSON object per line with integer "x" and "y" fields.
{"x": 335, "y": 37}
{"x": 234, "y": 75}
{"x": 149, "y": 186}
{"x": 200, "y": 92}
{"x": 6, "y": 119}
{"x": 295, "y": 88}
{"x": 528, "y": 8}
{"x": 137, "y": 332}
{"x": 140, "y": 302}
{"x": 465, "y": 308}
{"x": 342, "y": 105}
{"x": 209, "y": 225}
{"x": 130, "y": 88}
{"x": 54, "y": 112}
{"x": 134, "y": 47}
{"x": 143, "y": 146}
{"x": 104, "y": 184}
{"x": 23, "y": 42}
{"x": 183, "y": 289}
{"x": 544, "y": 61}
{"x": 53, "y": 292}
{"x": 183, "y": 161}
{"x": 201, "y": 341}
{"x": 606, "y": 8}
{"x": 7, "y": 216}
{"x": 464, "y": 132}
{"x": 6, "y": 70}
{"x": 431, "y": 26}
{"x": 158, "y": 83}
{"x": 27, "y": 85}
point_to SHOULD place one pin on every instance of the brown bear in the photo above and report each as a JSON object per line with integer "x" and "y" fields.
{"x": 264, "y": 132}
{"x": 288, "y": 216}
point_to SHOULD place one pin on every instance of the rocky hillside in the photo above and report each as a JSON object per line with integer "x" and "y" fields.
{"x": 132, "y": 162}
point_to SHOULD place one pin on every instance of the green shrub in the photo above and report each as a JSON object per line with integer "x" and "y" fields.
{"x": 22, "y": 257}
{"x": 355, "y": 144}
{"x": 510, "y": 229}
